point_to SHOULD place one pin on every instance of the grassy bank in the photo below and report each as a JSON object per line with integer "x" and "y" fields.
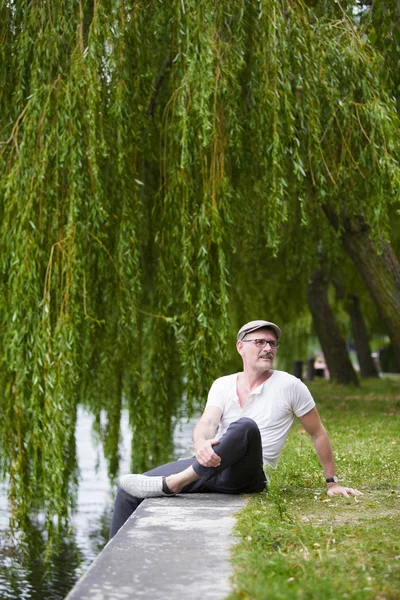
{"x": 295, "y": 542}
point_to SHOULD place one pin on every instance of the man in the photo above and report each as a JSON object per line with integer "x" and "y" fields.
{"x": 253, "y": 412}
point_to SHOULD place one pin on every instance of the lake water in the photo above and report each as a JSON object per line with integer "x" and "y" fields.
{"x": 30, "y": 577}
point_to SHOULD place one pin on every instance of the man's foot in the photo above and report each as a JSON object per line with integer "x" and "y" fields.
{"x": 143, "y": 486}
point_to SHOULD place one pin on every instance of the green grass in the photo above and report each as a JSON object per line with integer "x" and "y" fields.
{"x": 295, "y": 542}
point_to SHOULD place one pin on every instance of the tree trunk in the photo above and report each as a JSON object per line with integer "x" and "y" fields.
{"x": 330, "y": 338}
{"x": 360, "y": 334}
{"x": 298, "y": 369}
{"x": 310, "y": 369}
{"x": 380, "y": 272}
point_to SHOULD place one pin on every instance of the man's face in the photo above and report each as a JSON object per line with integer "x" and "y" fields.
{"x": 254, "y": 357}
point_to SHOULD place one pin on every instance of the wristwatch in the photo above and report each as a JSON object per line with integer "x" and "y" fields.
{"x": 333, "y": 479}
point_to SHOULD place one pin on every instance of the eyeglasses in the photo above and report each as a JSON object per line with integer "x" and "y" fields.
{"x": 262, "y": 343}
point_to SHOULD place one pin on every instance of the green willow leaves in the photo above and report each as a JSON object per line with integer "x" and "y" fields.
{"x": 142, "y": 144}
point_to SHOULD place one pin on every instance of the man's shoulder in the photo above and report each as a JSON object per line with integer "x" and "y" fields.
{"x": 226, "y": 380}
{"x": 293, "y": 388}
{"x": 221, "y": 390}
{"x": 284, "y": 378}
{"x": 286, "y": 381}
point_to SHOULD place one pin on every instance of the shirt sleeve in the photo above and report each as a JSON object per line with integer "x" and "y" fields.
{"x": 302, "y": 401}
{"x": 215, "y": 396}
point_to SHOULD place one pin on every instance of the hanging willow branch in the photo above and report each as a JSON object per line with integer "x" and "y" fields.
{"x": 168, "y": 133}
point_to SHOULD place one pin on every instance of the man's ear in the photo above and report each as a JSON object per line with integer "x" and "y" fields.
{"x": 239, "y": 347}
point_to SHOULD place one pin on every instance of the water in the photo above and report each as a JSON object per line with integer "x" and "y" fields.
{"x": 26, "y": 575}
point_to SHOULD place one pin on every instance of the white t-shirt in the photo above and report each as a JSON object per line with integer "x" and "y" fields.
{"x": 273, "y": 405}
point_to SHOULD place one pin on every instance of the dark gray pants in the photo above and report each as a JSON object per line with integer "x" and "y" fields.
{"x": 240, "y": 472}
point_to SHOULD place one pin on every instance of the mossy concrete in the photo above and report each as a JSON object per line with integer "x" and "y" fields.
{"x": 170, "y": 548}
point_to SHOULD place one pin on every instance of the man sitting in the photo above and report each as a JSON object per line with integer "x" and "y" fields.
{"x": 245, "y": 424}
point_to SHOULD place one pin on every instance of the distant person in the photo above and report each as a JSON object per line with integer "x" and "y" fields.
{"x": 320, "y": 367}
{"x": 244, "y": 426}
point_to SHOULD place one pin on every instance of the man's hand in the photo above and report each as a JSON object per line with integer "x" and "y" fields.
{"x": 339, "y": 490}
{"x": 206, "y": 455}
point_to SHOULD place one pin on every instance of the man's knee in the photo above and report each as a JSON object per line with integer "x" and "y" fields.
{"x": 247, "y": 425}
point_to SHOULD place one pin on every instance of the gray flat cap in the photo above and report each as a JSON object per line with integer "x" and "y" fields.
{"x": 253, "y": 325}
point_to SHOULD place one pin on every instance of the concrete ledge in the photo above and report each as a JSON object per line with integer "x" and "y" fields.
{"x": 170, "y": 548}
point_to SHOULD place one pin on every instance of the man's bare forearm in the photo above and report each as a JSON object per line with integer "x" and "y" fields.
{"x": 203, "y": 431}
{"x": 324, "y": 452}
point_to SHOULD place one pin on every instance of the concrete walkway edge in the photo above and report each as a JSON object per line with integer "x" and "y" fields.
{"x": 170, "y": 548}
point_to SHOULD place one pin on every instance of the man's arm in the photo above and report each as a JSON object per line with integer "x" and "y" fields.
{"x": 203, "y": 437}
{"x": 313, "y": 425}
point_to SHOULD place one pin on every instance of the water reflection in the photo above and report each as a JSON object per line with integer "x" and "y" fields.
{"x": 26, "y": 574}
{"x": 32, "y": 571}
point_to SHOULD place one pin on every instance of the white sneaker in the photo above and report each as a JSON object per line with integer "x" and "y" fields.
{"x": 142, "y": 486}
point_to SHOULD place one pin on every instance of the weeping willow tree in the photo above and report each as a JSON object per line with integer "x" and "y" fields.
{"x": 143, "y": 144}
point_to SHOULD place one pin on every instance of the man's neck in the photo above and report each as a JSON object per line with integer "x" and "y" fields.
{"x": 250, "y": 380}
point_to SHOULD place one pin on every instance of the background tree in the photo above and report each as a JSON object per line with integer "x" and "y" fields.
{"x": 360, "y": 334}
